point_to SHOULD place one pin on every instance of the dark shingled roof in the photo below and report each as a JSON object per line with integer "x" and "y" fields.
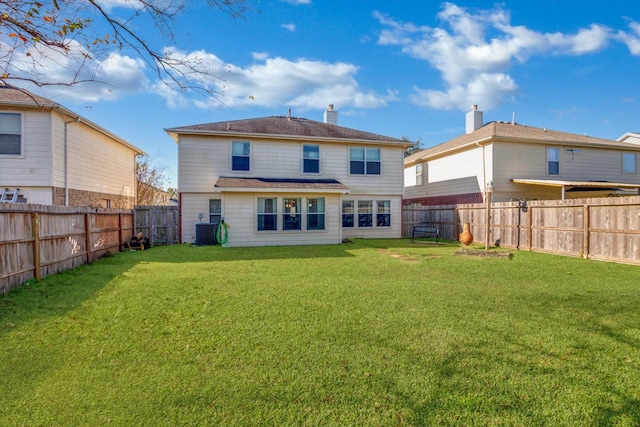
{"x": 506, "y": 131}
{"x": 283, "y": 126}
{"x": 297, "y": 183}
{"x": 16, "y": 97}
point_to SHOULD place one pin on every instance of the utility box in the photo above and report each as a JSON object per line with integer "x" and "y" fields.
{"x": 206, "y": 234}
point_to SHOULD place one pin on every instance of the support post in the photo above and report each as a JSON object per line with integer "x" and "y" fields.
{"x": 35, "y": 230}
{"x": 488, "y": 194}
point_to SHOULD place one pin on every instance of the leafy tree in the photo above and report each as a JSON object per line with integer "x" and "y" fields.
{"x": 33, "y": 33}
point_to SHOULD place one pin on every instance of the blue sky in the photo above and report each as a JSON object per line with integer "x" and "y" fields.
{"x": 397, "y": 68}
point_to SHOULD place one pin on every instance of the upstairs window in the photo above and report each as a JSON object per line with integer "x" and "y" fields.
{"x": 315, "y": 213}
{"x": 629, "y": 163}
{"x": 364, "y": 161}
{"x": 553, "y": 161}
{"x": 311, "y": 158}
{"x": 418, "y": 174}
{"x": 240, "y": 156}
{"x": 10, "y": 134}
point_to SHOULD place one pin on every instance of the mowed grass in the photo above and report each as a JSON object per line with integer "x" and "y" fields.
{"x": 370, "y": 333}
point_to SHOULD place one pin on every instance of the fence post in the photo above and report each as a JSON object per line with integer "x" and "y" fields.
{"x": 585, "y": 237}
{"x": 35, "y": 230}
{"x": 87, "y": 228}
{"x": 530, "y": 228}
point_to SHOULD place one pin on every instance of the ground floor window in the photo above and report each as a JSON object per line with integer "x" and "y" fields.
{"x": 215, "y": 211}
{"x": 365, "y": 213}
{"x": 383, "y": 217}
{"x": 297, "y": 213}
{"x": 267, "y": 213}
{"x": 315, "y": 213}
{"x": 347, "y": 213}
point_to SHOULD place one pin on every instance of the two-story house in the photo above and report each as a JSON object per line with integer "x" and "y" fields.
{"x": 50, "y": 155}
{"x": 285, "y": 180}
{"x": 519, "y": 162}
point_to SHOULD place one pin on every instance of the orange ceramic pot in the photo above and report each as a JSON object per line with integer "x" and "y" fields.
{"x": 466, "y": 237}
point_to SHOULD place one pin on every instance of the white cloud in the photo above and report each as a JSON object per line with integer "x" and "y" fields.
{"x": 296, "y": 1}
{"x": 474, "y": 50}
{"x": 289, "y": 27}
{"x": 631, "y": 38}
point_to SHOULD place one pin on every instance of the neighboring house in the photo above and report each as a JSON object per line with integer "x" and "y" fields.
{"x": 149, "y": 195}
{"x": 631, "y": 138}
{"x": 50, "y": 155}
{"x": 521, "y": 162}
{"x": 285, "y": 180}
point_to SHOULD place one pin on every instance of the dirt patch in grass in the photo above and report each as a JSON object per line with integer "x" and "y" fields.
{"x": 483, "y": 253}
{"x": 398, "y": 256}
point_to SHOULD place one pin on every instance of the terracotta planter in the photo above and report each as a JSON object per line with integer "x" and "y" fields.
{"x": 466, "y": 238}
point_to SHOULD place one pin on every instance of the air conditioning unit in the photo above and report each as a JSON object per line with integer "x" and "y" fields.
{"x": 206, "y": 234}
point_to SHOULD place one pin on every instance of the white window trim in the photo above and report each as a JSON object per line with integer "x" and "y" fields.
{"x": 231, "y": 169}
{"x": 22, "y": 154}
{"x": 303, "y": 159}
{"x": 635, "y": 166}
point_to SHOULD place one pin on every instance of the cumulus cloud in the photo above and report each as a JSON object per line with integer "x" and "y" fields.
{"x": 474, "y": 51}
{"x": 631, "y": 38}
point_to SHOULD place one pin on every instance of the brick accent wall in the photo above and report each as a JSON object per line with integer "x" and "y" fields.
{"x": 453, "y": 199}
{"x": 93, "y": 199}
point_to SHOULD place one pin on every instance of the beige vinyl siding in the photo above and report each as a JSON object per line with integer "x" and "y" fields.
{"x": 33, "y": 167}
{"x": 98, "y": 163}
{"x": 192, "y": 205}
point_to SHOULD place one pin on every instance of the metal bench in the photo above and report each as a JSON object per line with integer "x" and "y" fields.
{"x": 425, "y": 229}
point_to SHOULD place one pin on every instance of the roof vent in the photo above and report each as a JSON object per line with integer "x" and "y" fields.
{"x": 331, "y": 115}
{"x": 474, "y": 119}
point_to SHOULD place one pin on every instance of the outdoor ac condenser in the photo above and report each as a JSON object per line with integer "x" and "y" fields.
{"x": 206, "y": 234}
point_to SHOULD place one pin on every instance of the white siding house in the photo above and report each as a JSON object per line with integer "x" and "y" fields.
{"x": 52, "y": 156}
{"x": 285, "y": 180}
{"x": 521, "y": 162}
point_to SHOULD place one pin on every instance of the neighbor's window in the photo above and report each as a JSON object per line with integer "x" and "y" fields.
{"x": 267, "y": 213}
{"x": 365, "y": 213}
{"x": 418, "y": 174}
{"x": 311, "y": 158}
{"x": 347, "y": 213}
{"x": 629, "y": 163}
{"x": 240, "y": 156}
{"x": 553, "y": 161}
{"x": 291, "y": 214}
{"x": 215, "y": 210}
{"x": 364, "y": 161}
{"x": 315, "y": 213}
{"x": 383, "y": 217}
{"x": 10, "y": 133}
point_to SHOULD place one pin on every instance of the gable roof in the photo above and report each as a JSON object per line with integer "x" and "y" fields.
{"x": 23, "y": 99}
{"x": 283, "y": 127}
{"x": 513, "y": 132}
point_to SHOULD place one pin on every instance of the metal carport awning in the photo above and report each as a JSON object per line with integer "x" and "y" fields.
{"x": 576, "y": 184}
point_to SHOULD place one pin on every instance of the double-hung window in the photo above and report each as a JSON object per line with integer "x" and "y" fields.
{"x": 291, "y": 214}
{"x": 215, "y": 210}
{"x": 364, "y": 161}
{"x": 383, "y": 217}
{"x": 315, "y": 213}
{"x": 311, "y": 159}
{"x": 240, "y": 156}
{"x": 629, "y": 163}
{"x": 553, "y": 161}
{"x": 10, "y": 134}
{"x": 419, "y": 174}
{"x": 365, "y": 213}
{"x": 348, "y": 213}
{"x": 267, "y": 213}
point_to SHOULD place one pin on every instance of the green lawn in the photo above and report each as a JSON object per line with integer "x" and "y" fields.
{"x": 370, "y": 333}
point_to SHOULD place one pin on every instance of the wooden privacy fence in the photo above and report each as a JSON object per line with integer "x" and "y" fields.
{"x": 159, "y": 223}
{"x": 37, "y": 241}
{"x": 600, "y": 228}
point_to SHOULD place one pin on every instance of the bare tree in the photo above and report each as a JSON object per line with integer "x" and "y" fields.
{"x": 417, "y": 146}
{"x": 150, "y": 181}
{"x": 66, "y": 31}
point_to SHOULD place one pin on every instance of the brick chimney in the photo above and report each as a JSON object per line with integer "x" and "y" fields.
{"x": 474, "y": 120}
{"x": 331, "y": 115}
